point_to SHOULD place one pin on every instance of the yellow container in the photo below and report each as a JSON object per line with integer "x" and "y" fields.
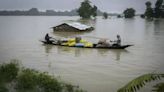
{"x": 71, "y": 44}
{"x": 71, "y": 40}
{"x": 88, "y": 44}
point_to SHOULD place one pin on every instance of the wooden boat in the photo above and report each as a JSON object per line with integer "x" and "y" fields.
{"x": 94, "y": 46}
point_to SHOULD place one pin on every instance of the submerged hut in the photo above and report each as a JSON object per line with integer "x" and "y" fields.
{"x": 72, "y": 27}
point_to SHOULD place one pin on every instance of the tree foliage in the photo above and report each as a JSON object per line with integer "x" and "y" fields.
{"x": 94, "y": 11}
{"x": 129, "y": 13}
{"x": 149, "y": 10}
{"x": 141, "y": 81}
{"x": 157, "y": 10}
{"x": 86, "y": 10}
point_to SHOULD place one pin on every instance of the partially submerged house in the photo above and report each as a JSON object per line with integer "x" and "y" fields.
{"x": 75, "y": 26}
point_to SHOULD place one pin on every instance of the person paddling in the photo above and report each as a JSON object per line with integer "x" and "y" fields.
{"x": 47, "y": 38}
{"x": 118, "y": 42}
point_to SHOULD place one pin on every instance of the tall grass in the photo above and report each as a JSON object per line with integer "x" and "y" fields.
{"x": 8, "y": 72}
{"x": 29, "y": 80}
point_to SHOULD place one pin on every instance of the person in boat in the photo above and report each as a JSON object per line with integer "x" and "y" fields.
{"x": 103, "y": 43}
{"x": 47, "y": 38}
{"x": 78, "y": 39}
{"x": 118, "y": 41}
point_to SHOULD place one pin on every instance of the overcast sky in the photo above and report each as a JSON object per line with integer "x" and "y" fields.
{"x": 103, "y": 5}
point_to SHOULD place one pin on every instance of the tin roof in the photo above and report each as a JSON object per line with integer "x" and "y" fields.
{"x": 78, "y": 25}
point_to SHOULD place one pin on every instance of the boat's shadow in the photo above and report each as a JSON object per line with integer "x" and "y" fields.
{"x": 113, "y": 53}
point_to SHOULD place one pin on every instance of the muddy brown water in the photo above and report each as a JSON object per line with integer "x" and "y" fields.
{"x": 94, "y": 70}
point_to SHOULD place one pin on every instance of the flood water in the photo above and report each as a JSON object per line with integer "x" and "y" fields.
{"x": 94, "y": 70}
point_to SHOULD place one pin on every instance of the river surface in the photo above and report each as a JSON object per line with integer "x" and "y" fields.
{"x": 94, "y": 70}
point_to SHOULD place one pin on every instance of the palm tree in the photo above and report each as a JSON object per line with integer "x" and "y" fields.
{"x": 141, "y": 81}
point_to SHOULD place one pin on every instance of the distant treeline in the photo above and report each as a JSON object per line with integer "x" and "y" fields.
{"x": 36, "y": 12}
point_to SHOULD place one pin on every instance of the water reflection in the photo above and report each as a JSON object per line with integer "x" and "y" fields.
{"x": 156, "y": 27}
{"x": 118, "y": 53}
{"x": 129, "y": 22}
{"x": 76, "y": 52}
{"x": 148, "y": 27}
{"x": 79, "y": 52}
{"x": 47, "y": 48}
{"x": 102, "y": 52}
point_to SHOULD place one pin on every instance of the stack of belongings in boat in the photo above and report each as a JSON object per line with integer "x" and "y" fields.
{"x": 103, "y": 43}
{"x": 77, "y": 42}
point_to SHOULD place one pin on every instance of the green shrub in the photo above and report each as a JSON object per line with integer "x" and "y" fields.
{"x": 3, "y": 88}
{"x": 48, "y": 83}
{"x": 27, "y": 79}
{"x": 9, "y": 71}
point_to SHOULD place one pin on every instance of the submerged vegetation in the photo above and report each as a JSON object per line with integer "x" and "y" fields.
{"x": 16, "y": 79}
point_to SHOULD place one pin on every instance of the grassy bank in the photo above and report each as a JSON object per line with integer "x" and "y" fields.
{"x": 14, "y": 78}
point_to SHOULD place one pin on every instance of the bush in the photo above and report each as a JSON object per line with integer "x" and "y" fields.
{"x": 28, "y": 80}
{"x": 9, "y": 71}
{"x": 3, "y": 88}
{"x": 48, "y": 83}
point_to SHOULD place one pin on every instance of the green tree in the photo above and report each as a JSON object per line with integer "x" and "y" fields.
{"x": 157, "y": 9}
{"x": 149, "y": 10}
{"x": 86, "y": 10}
{"x": 105, "y": 15}
{"x": 129, "y": 13}
{"x": 94, "y": 11}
